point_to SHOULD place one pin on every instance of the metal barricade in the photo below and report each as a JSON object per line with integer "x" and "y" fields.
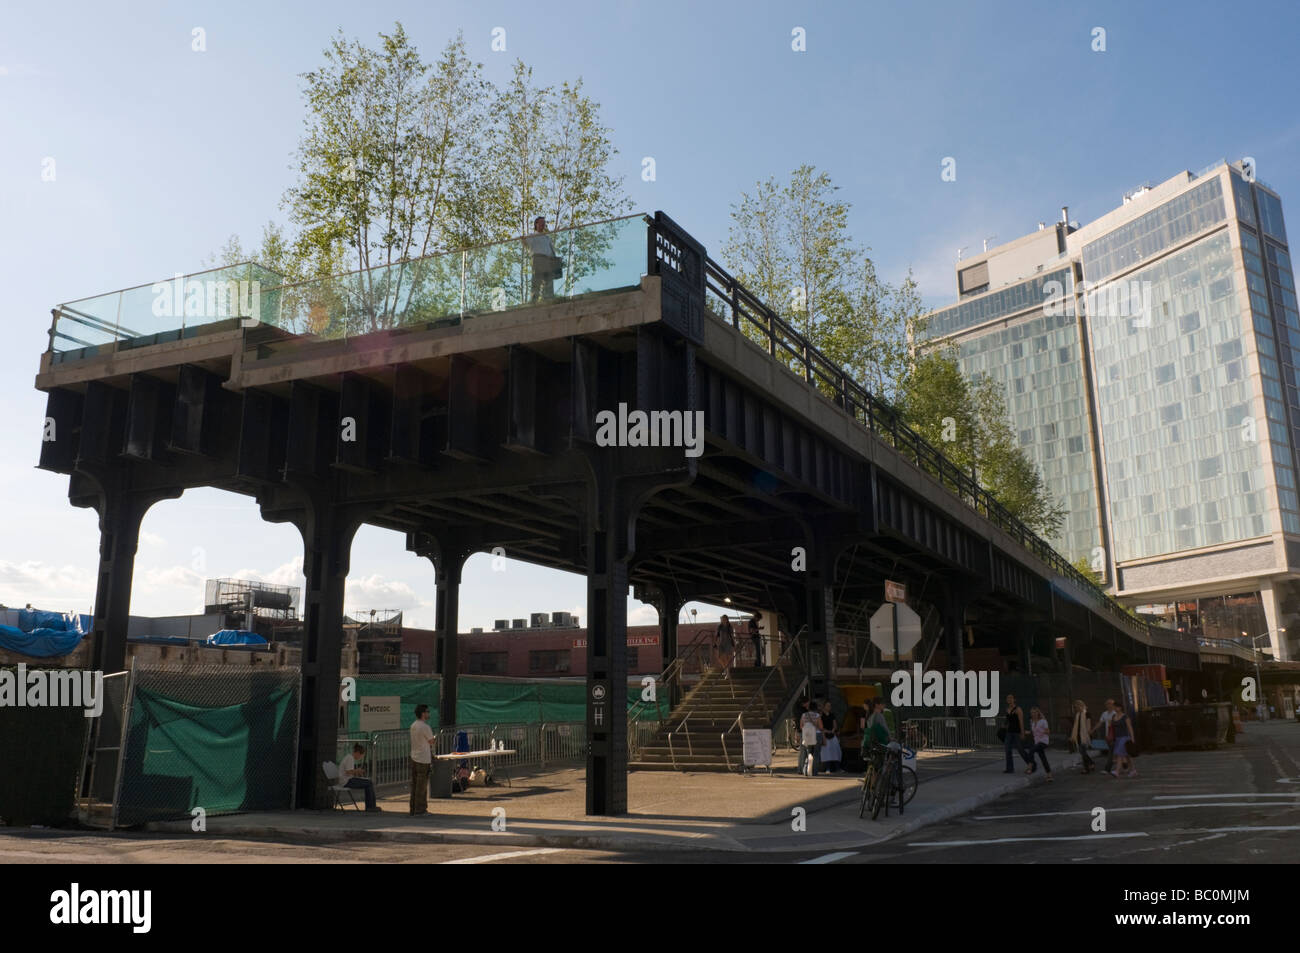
{"x": 388, "y": 753}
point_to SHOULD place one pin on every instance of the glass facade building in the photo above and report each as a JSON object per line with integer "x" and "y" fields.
{"x": 1161, "y": 398}
{"x": 1035, "y": 352}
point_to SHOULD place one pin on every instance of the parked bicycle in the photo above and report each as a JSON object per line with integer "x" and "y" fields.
{"x": 893, "y": 782}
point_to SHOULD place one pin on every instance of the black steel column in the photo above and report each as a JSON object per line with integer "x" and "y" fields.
{"x": 820, "y": 615}
{"x": 953, "y": 611}
{"x": 327, "y": 533}
{"x": 1024, "y": 648}
{"x": 120, "y": 515}
{"x": 607, "y": 583}
{"x": 447, "y": 624}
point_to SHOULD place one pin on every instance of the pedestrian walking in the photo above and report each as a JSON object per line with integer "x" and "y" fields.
{"x": 1040, "y": 739}
{"x": 831, "y": 752}
{"x": 810, "y": 730}
{"x": 1014, "y": 732}
{"x": 1081, "y": 734}
{"x": 1107, "y": 729}
{"x": 724, "y": 646}
{"x": 1123, "y": 738}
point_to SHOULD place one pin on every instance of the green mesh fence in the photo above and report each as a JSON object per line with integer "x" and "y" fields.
{"x": 483, "y": 700}
{"x": 411, "y": 689}
{"x": 216, "y": 738}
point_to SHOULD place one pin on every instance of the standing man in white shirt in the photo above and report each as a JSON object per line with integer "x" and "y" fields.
{"x": 541, "y": 247}
{"x": 422, "y": 739}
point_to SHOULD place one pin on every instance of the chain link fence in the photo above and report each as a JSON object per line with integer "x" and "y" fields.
{"x": 388, "y": 753}
{"x": 216, "y": 738}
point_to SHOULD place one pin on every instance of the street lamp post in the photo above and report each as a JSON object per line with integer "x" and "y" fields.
{"x": 1259, "y": 678}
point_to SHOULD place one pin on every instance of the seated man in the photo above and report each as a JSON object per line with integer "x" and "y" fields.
{"x": 352, "y": 776}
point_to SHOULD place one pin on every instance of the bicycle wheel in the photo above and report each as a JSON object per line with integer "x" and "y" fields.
{"x": 880, "y": 795}
{"x": 868, "y": 785}
{"x": 907, "y": 791}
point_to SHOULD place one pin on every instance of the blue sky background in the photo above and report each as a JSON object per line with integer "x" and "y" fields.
{"x": 161, "y": 153}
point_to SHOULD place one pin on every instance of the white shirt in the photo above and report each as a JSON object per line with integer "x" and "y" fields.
{"x": 540, "y": 244}
{"x": 421, "y": 735}
{"x": 346, "y": 765}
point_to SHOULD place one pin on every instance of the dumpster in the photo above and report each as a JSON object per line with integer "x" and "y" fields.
{"x": 1186, "y": 726}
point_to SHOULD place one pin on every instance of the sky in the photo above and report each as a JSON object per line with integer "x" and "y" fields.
{"x": 159, "y": 152}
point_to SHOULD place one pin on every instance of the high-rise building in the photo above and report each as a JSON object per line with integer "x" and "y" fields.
{"x": 1150, "y": 365}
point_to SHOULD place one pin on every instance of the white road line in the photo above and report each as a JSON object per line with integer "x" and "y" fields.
{"x": 488, "y": 858}
{"x": 1017, "y": 840}
{"x": 831, "y": 858}
{"x": 1206, "y": 797}
{"x": 1119, "y": 810}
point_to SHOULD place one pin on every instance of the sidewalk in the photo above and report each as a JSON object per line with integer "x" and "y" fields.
{"x": 667, "y": 811}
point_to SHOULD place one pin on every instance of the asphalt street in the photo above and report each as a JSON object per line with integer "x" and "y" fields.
{"x": 1240, "y": 803}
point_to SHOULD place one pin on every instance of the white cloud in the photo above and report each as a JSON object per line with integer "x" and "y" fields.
{"x": 380, "y": 592}
{"x": 286, "y": 574}
{"x": 151, "y": 539}
{"x": 46, "y": 586}
{"x": 643, "y": 615}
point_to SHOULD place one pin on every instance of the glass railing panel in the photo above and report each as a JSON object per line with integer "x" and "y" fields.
{"x": 88, "y": 322}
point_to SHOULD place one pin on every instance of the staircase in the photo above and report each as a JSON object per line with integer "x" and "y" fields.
{"x": 703, "y": 733}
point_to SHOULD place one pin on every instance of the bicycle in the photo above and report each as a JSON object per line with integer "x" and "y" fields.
{"x": 894, "y": 782}
{"x": 873, "y": 760}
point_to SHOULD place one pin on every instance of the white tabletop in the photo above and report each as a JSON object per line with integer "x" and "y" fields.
{"x": 488, "y": 753}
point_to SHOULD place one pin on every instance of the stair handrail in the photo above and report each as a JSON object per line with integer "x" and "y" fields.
{"x": 670, "y": 676}
{"x": 792, "y": 650}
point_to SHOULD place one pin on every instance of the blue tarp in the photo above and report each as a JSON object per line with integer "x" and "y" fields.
{"x": 39, "y": 643}
{"x": 44, "y": 634}
{"x": 235, "y": 637}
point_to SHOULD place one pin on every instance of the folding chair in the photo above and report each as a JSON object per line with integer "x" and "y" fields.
{"x": 332, "y": 775}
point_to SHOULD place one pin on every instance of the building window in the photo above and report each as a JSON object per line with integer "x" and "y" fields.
{"x": 634, "y": 658}
{"x": 487, "y": 663}
{"x": 411, "y": 662}
{"x": 548, "y": 660}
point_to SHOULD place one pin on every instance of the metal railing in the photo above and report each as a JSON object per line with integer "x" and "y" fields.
{"x": 670, "y": 679}
{"x": 388, "y": 753}
{"x": 731, "y": 302}
{"x": 792, "y": 656}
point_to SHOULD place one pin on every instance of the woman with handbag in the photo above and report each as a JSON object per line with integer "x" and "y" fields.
{"x": 1081, "y": 734}
{"x": 1123, "y": 726}
{"x": 546, "y": 265}
{"x": 1039, "y": 742}
{"x": 832, "y": 753}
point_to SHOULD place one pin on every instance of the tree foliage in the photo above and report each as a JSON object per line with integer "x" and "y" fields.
{"x": 789, "y": 244}
{"x": 401, "y": 159}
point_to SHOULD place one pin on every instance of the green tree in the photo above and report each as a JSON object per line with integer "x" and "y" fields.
{"x": 401, "y": 160}
{"x": 789, "y": 244}
{"x": 968, "y": 421}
